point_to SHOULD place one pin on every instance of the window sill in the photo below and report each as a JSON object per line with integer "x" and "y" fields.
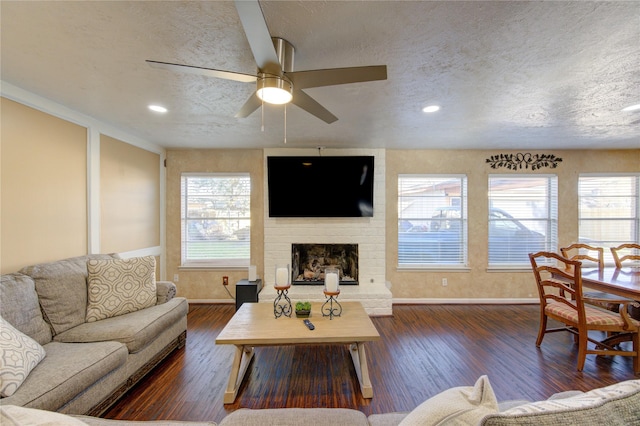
{"x": 211, "y": 267}
{"x": 418, "y": 268}
{"x": 508, "y": 269}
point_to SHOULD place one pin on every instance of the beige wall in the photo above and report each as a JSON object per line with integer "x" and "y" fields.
{"x": 206, "y": 284}
{"x": 129, "y": 197}
{"x": 44, "y": 187}
{"x": 478, "y": 282}
{"x": 46, "y": 190}
{"x": 43, "y": 212}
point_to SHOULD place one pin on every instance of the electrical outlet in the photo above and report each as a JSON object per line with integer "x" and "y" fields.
{"x": 225, "y": 280}
{"x": 176, "y": 278}
{"x": 444, "y": 282}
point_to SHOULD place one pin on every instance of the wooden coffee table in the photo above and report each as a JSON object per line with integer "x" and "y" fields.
{"x": 254, "y": 325}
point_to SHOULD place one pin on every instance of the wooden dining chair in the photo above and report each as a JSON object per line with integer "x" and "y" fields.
{"x": 592, "y": 256}
{"x": 626, "y": 254}
{"x": 559, "y": 283}
{"x": 584, "y": 252}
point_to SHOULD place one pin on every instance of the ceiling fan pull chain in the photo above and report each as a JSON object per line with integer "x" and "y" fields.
{"x": 285, "y": 123}
{"x": 262, "y": 123}
{"x": 262, "y": 113}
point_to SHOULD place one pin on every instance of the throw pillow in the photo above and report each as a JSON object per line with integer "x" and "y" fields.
{"x": 465, "y": 405}
{"x": 119, "y": 286}
{"x": 19, "y": 354}
{"x": 616, "y": 404}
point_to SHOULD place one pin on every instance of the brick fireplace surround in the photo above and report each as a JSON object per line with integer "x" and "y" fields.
{"x": 368, "y": 233}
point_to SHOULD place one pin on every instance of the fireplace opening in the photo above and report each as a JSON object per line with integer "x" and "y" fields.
{"x": 308, "y": 262}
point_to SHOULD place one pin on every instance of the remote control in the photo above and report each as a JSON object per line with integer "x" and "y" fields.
{"x": 309, "y": 325}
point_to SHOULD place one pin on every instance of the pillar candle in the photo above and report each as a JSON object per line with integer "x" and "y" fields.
{"x": 282, "y": 278}
{"x": 331, "y": 282}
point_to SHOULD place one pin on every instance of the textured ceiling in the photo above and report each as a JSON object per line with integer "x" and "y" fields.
{"x": 507, "y": 74}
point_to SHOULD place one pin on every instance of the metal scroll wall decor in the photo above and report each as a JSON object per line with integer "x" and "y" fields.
{"x": 526, "y": 160}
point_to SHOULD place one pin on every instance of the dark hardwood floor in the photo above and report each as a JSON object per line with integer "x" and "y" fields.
{"x": 424, "y": 350}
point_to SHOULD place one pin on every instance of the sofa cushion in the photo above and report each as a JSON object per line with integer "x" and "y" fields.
{"x": 67, "y": 371}
{"x": 11, "y": 415}
{"x": 62, "y": 290}
{"x": 119, "y": 286}
{"x": 20, "y": 306}
{"x": 387, "y": 419}
{"x": 19, "y": 354}
{"x": 295, "y": 417}
{"x": 135, "y": 329}
{"x": 97, "y": 421}
{"x": 617, "y": 404}
{"x": 465, "y": 405}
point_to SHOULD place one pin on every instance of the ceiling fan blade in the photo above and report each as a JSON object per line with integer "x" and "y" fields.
{"x": 335, "y": 76}
{"x": 255, "y": 28}
{"x": 209, "y": 72}
{"x": 252, "y": 104}
{"x": 310, "y": 105}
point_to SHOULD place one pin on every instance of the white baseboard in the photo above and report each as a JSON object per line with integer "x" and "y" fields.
{"x": 212, "y": 301}
{"x": 465, "y": 301}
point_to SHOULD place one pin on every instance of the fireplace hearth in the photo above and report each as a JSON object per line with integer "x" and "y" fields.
{"x": 308, "y": 262}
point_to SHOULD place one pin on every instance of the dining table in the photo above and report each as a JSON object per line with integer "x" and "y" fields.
{"x": 624, "y": 282}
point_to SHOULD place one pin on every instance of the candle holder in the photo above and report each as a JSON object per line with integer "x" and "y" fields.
{"x": 328, "y": 309}
{"x": 331, "y": 292}
{"x": 282, "y": 303}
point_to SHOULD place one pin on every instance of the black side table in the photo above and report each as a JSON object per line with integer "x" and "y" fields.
{"x": 247, "y": 291}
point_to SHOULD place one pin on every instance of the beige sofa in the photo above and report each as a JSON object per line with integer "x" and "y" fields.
{"x": 613, "y": 405}
{"x": 77, "y": 333}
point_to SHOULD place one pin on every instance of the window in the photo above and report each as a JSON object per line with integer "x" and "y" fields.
{"x": 609, "y": 212}
{"x": 216, "y": 219}
{"x": 432, "y": 220}
{"x": 523, "y": 218}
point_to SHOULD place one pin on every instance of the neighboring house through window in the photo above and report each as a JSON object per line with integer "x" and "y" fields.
{"x": 523, "y": 218}
{"x": 609, "y": 211}
{"x": 432, "y": 221}
{"x": 216, "y": 219}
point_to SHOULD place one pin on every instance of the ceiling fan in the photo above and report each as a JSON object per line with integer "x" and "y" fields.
{"x": 276, "y": 82}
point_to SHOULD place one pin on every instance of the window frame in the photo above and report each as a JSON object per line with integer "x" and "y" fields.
{"x": 212, "y": 262}
{"x": 633, "y": 197}
{"x": 428, "y": 217}
{"x": 550, "y": 242}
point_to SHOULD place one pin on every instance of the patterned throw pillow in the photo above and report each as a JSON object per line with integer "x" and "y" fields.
{"x": 463, "y": 405}
{"x": 19, "y": 354}
{"x": 119, "y": 286}
{"x": 616, "y": 404}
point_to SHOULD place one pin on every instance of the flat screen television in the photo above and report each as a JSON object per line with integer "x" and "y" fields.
{"x": 320, "y": 186}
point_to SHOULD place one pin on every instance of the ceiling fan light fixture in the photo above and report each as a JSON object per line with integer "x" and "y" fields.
{"x": 274, "y": 90}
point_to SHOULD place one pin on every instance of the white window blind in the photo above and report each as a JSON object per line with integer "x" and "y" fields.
{"x": 609, "y": 212}
{"x": 523, "y": 218}
{"x": 432, "y": 220}
{"x": 216, "y": 219}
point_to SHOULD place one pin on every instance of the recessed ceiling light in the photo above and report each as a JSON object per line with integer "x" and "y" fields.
{"x": 157, "y": 108}
{"x": 632, "y": 108}
{"x": 431, "y": 108}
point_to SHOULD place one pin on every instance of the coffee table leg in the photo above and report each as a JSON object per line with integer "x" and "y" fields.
{"x": 359, "y": 357}
{"x": 241, "y": 361}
